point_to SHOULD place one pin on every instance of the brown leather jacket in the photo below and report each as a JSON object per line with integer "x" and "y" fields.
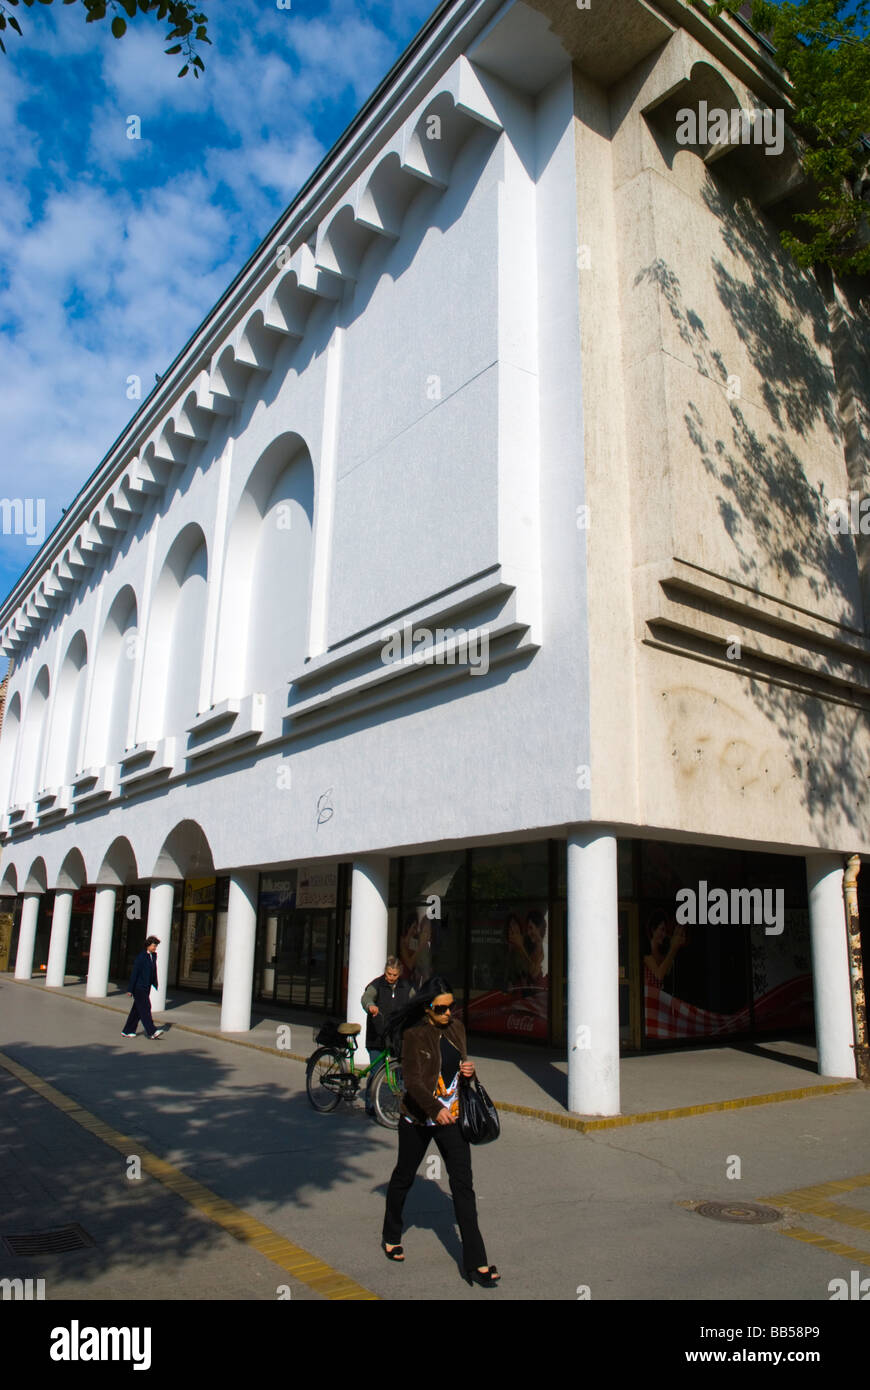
{"x": 421, "y": 1066}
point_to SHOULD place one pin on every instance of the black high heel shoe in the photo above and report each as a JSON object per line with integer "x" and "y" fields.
{"x": 397, "y": 1253}
{"x": 483, "y": 1277}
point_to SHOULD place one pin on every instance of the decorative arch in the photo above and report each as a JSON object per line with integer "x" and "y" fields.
{"x": 173, "y": 655}
{"x": 9, "y": 882}
{"x": 185, "y": 853}
{"x": 33, "y": 739}
{"x": 9, "y": 735}
{"x": 63, "y": 760}
{"x": 109, "y": 719}
{"x": 265, "y": 605}
{"x": 119, "y": 865}
{"x": 36, "y": 878}
{"x": 72, "y": 873}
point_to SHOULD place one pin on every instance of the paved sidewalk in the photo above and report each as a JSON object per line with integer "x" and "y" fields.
{"x": 611, "y": 1211}
{"x": 536, "y": 1078}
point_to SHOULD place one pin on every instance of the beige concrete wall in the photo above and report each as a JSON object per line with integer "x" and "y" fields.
{"x": 726, "y": 402}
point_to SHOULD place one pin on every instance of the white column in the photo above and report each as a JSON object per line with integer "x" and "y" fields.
{"x": 239, "y": 959}
{"x": 101, "y": 943}
{"x": 27, "y": 936}
{"x": 831, "y": 987}
{"x": 160, "y": 900}
{"x": 593, "y": 974}
{"x": 369, "y": 933}
{"x": 57, "y": 946}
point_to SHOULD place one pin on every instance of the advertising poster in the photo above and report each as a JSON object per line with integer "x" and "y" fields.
{"x": 510, "y": 971}
{"x": 782, "y": 983}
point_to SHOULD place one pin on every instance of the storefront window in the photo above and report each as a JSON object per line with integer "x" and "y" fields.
{"x": 711, "y": 967}
{"x": 503, "y": 872}
{"x": 510, "y": 974}
{"x": 431, "y": 920}
{"x": 201, "y": 905}
{"x": 297, "y": 936}
{"x": 7, "y": 918}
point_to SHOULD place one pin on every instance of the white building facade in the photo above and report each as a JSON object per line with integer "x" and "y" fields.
{"x": 398, "y": 618}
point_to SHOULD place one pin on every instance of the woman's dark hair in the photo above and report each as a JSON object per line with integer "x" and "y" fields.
{"x": 414, "y": 1010}
{"x": 655, "y": 920}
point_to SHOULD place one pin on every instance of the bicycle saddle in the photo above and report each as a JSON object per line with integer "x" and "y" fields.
{"x": 349, "y": 1030}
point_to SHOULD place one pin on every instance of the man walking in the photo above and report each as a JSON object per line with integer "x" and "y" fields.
{"x": 381, "y": 999}
{"x": 143, "y": 978}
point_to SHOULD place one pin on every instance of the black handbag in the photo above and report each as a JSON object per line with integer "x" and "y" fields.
{"x": 478, "y": 1117}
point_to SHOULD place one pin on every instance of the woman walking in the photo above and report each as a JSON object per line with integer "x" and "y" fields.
{"x": 433, "y": 1058}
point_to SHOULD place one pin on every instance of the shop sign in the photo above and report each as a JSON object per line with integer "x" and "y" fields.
{"x": 199, "y": 894}
{"x": 317, "y": 887}
{"x": 278, "y": 894}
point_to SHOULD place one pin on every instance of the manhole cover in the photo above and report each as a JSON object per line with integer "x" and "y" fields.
{"x": 744, "y": 1213}
{"x": 56, "y": 1242}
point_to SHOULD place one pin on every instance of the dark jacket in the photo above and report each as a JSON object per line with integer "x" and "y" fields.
{"x": 388, "y": 999}
{"x": 421, "y": 1066}
{"x": 144, "y": 972}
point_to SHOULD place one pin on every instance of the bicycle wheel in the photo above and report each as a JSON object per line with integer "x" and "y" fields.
{"x": 387, "y": 1098}
{"x": 325, "y": 1073}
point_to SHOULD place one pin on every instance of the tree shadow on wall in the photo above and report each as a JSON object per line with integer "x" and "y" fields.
{"x": 773, "y": 510}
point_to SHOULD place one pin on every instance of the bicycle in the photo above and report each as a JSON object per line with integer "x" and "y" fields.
{"x": 331, "y": 1076}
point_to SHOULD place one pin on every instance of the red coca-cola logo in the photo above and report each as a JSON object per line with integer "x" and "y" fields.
{"x": 520, "y": 1023}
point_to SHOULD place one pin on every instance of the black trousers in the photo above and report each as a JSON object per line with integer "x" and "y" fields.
{"x": 456, "y": 1152}
{"x": 141, "y": 1009}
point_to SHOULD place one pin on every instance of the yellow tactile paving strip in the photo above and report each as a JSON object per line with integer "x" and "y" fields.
{"x": 299, "y": 1263}
{"x": 680, "y": 1113}
{"x": 815, "y": 1201}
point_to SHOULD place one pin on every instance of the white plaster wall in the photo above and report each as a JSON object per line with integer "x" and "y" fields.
{"x": 481, "y": 477}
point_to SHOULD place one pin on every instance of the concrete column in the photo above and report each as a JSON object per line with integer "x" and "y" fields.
{"x": 101, "y": 943}
{"x": 27, "y": 936}
{"x": 160, "y": 900}
{"x": 369, "y": 933}
{"x": 831, "y": 987}
{"x": 239, "y": 958}
{"x": 593, "y": 973}
{"x": 57, "y": 946}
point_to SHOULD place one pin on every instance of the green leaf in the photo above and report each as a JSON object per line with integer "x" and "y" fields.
{"x": 130, "y": 7}
{"x": 2, "y": 46}
{"x": 183, "y": 70}
{"x": 176, "y": 48}
{"x": 119, "y": 27}
{"x": 13, "y": 23}
{"x": 198, "y": 63}
{"x": 2, "y": 21}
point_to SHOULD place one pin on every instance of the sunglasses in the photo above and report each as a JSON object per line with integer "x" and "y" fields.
{"x": 441, "y": 1008}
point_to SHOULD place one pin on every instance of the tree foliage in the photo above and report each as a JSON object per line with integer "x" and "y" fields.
{"x": 187, "y": 24}
{"x": 824, "y": 47}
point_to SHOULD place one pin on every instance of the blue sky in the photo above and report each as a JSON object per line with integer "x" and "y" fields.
{"x": 113, "y": 250}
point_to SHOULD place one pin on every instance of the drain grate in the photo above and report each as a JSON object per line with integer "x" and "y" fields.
{"x": 743, "y": 1213}
{"x": 55, "y": 1242}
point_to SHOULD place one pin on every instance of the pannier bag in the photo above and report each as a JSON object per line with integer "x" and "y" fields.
{"x": 329, "y": 1035}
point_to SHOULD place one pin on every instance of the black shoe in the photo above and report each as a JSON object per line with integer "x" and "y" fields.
{"x": 397, "y": 1253}
{"x": 483, "y": 1277}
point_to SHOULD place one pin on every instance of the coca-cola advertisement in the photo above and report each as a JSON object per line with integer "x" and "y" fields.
{"x": 510, "y": 974}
